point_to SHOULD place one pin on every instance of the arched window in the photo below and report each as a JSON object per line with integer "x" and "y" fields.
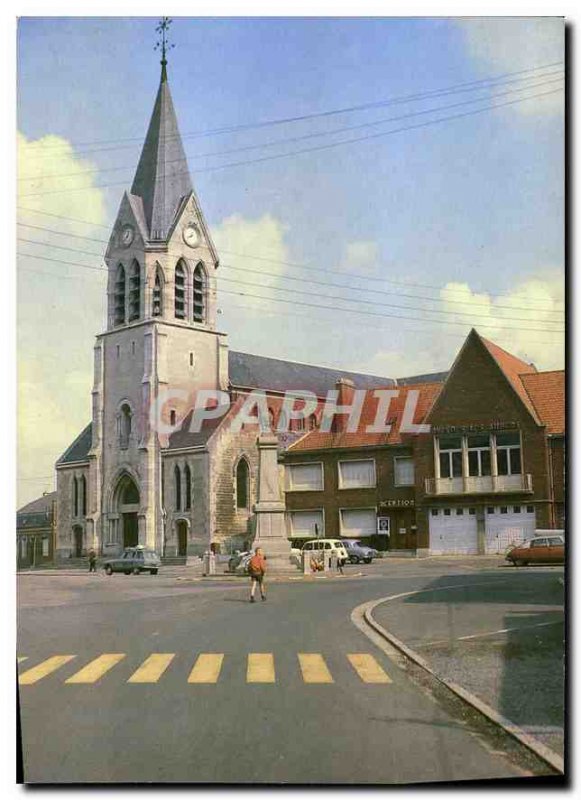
{"x": 200, "y": 293}
{"x": 242, "y": 484}
{"x": 119, "y": 301}
{"x": 134, "y": 292}
{"x": 157, "y": 302}
{"x": 180, "y": 291}
{"x": 84, "y": 495}
{"x": 177, "y": 476}
{"x": 75, "y": 497}
{"x": 124, "y": 426}
{"x": 188, "y": 480}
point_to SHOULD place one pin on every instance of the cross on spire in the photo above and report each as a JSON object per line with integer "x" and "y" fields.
{"x": 163, "y": 44}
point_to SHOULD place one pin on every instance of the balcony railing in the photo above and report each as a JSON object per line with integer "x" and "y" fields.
{"x": 497, "y": 484}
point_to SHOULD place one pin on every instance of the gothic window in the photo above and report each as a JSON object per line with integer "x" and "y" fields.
{"x": 180, "y": 291}
{"x": 119, "y": 301}
{"x": 200, "y": 293}
{"x": 134, "y": 292}
{"x": 188, "y": 480}
{"x": 157, "y": 304}
{"x": 177, "y": 476}
{"x": 312, "y": 422}
{"x": 84, "y": 495}
{"x": 75, "y": 497}
{"x": 242, "y": 484}
{"x": 124, "y": 426}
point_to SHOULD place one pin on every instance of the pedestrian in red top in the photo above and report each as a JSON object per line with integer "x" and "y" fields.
{"x": 257, "y": 571}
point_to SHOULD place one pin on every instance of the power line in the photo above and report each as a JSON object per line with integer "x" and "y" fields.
{"x": 307, "y": 136}
{"x": 326, "y": 284}
{"x": 306, "y": 267}
{"x": 332, "y": 297}
{"x": 89, "y": 146}
{"x": 317, "y": 148}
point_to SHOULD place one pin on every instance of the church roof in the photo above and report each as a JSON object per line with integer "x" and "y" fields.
{"x": 79, "y": 449}
{"x": 162, "y": 178}
{"x": 258, "y": 372}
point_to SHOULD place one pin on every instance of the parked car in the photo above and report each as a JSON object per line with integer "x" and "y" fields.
{"x": 357, "y": 551}
{"x": 540, "y": 550}
{"x": 238, "y": 561}
{"x": 134, "y": 560}
{"x": 316, "y": 546}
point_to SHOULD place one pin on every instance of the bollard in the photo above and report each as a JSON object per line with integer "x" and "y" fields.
{"x": 333, "y": 562}
{"x": 209, "y": 563}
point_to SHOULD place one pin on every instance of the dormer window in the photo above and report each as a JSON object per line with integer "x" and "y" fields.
{"x": 200, "y": 293}
{"x": 119, "y": 296}
{"x": 180, "y": 291}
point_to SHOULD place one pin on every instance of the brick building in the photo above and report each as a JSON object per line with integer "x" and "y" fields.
{"x": 489, "y": 471}
{"x": 35, "y": 532}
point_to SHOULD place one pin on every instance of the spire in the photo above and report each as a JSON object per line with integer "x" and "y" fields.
{"x": 162, "y": 178}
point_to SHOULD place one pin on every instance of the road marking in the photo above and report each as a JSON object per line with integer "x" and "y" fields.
{"x": 152, "y": 668}
{"x": 260, "y": 668}
{"x": 368, "y": 668}
{"x": 96, "y": 669}
{"x": 207, "y": 668}
{"x": 21, "y": 659}
{"x": 314, "y": 668}
{"x": 41, "y": 670}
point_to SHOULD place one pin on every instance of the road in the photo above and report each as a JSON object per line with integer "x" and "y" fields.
{"x": 171, "y": 680}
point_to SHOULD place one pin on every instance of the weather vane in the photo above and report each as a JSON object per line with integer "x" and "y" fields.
{"x": 162, "y": 30}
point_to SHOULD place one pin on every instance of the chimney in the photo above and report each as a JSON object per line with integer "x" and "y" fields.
{"x": 345, "y": 393}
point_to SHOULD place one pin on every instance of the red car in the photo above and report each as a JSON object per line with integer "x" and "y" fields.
{"x": 541, "y": 550}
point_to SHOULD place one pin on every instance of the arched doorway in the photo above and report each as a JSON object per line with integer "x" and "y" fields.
{"x": 78, "y": 541}
{"x": 126, "y": 503}
{"x": 182, "y": 534}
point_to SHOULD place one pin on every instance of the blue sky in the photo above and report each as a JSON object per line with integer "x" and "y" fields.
{"x": 469, "y": 210}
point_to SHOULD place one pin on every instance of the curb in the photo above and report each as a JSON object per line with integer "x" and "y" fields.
{"x": 553, "y": 759}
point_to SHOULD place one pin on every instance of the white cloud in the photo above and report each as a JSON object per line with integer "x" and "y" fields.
{"x": 359, "y": 256}
{"x": 510, "y": 44}
{"x": 55, "y": 300}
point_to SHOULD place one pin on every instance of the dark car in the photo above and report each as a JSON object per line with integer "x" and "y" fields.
{"x": 134, "y": 560}
{"x": 540, "y": 550}
{"x": 357, "y": 551}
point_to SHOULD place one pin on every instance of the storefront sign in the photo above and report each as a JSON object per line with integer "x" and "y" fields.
{"x": 475, "y": 427}
{"x": 397, "y": 503}
{"x": 383, "y": 526}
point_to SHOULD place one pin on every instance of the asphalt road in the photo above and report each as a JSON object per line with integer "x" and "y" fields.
{"x": 280, "y": 728}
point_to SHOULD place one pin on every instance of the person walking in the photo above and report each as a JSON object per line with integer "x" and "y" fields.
{"x": 92, "y": 561}
{"x": 257, "y": 571}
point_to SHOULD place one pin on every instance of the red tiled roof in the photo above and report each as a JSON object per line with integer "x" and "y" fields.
{"x": 546, "y": 391}
{"x": 318, "y": 440}
{"x": 513, "y": 368}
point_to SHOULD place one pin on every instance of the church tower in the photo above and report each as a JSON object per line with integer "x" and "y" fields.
{"x": 161, "y": 335}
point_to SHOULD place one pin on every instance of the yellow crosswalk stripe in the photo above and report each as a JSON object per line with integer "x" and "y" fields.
{"x": 21, "y": 659}
{"x": 152, "y": 668}
{"x": 96, "y": 669}
{"x": 260, "y": 668}
{"x": 207, "y": 668}
{"x": 314, "y": 668}
{"x": 368, "y": 668}
{"x": 43, "y": 669}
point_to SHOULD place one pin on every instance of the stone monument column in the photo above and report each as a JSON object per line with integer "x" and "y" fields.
{"x": 270, "y": 509}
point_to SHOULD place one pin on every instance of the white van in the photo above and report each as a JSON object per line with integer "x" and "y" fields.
{"x": 315, "y": 546}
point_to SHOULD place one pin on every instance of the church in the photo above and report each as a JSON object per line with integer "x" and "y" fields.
{"x": 123, "y": 481}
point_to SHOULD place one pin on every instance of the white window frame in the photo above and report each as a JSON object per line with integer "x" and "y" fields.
{"x": 479, "y": 449}
{"x": 347, "y": 535}
{"x": 291, "y": 512}
{"x": 356, "y": 461}
{"x": 403, "y": 458}
{"x": 449, "y": 453}
{"x": 288, "y": 477}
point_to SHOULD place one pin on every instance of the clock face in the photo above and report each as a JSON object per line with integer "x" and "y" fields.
{"x": 127, "y": 235}
{"x": 192, "y": 235}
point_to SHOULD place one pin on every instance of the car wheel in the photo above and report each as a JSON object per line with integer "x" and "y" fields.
{"x": 367, "y": 560}
{"x": 153, "y": 572}
{"x": 354, "y": 559}
{"x": 108, "y": 569}
{"x": 126, "y": 572}
{"x": 136, "y": 570}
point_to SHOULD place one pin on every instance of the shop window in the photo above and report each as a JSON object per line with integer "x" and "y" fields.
{"x": 450, "y": 448}
{"x": 508, "y": 453}
{"x": 404, "y": 471}
{"x": 478, "y": 455}
{"x": 307, "y": 524}
{"x": 357, "y": 522}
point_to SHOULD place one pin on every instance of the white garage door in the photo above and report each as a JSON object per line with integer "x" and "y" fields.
{"x": 506, "y": 525}
{"x": 453, "y": 531}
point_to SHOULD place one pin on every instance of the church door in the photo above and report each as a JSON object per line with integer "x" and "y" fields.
{"x": 182, "y": 529}
{"x": 130, "y": 529}
{"x": 78, "y": 536}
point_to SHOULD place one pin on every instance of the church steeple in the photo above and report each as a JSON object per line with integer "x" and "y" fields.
{"x": 162, "y": 178}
